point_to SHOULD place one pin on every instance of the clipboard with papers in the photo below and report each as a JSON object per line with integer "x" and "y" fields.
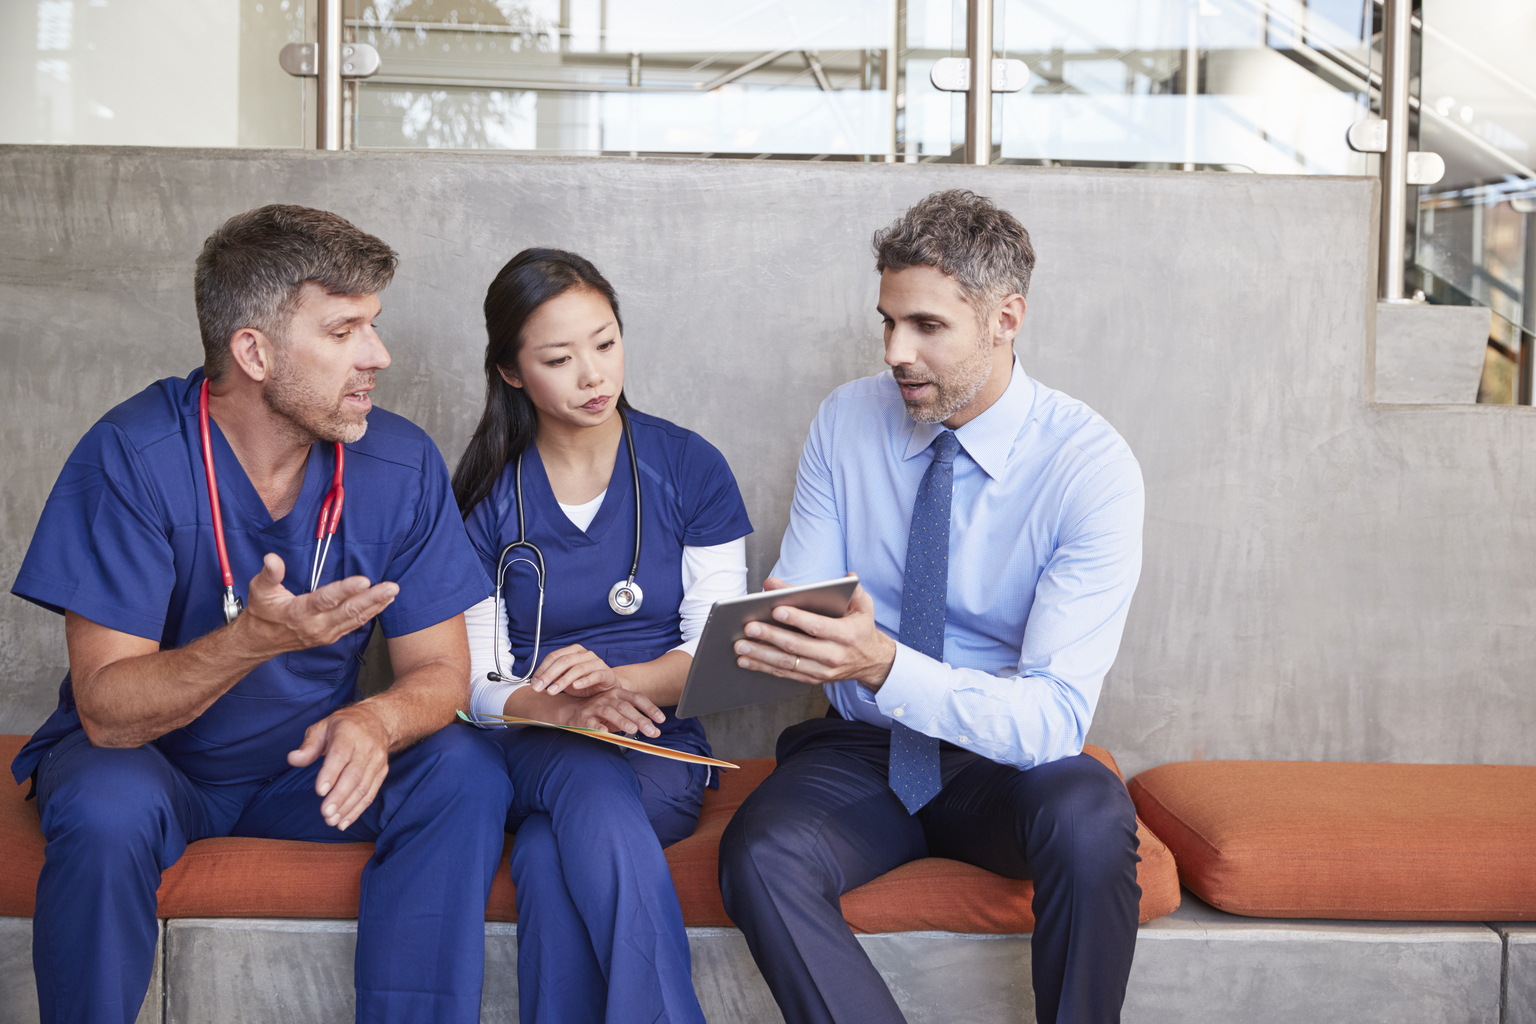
{"x": 617, "y": 739}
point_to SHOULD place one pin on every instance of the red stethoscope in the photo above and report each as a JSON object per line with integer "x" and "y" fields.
{"x": 330, "y": 515}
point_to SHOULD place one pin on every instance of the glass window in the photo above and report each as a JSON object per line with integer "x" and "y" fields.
{"x": 1221, "y": 84}
{"x": 790, "y": 77}
{"x": 149, "y": 72}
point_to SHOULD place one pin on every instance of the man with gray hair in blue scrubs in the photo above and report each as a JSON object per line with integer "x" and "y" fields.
{"x": 995, "y": 525}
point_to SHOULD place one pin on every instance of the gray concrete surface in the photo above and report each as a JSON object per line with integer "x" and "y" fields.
{"x": 1430, "y": 354}
{"x": 1325, "y": 577}
{"x": 18, "y": 986}
{"x": 1519, "y": 972}
{"x": 1196, "y": 966}
{"x": 1201, "y": 966}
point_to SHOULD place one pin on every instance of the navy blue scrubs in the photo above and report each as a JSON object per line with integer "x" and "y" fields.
{"x": 600, "y": 933}
{"x": 126, "y": 541}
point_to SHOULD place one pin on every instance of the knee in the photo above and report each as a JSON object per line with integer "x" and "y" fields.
{"x": 547, "y": 766}
{"x": 763, "y": 849}
{"x": 123, "y": 800}
{"x": 535, "y": 851}
{"x": 460, "y": 767}
{"x": 1087, "y": 822}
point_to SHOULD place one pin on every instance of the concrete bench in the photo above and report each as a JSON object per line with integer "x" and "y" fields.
{"x": 285, "y": 912}
{"x": 1330, "y": 841}
{"x": 261, "y": 930}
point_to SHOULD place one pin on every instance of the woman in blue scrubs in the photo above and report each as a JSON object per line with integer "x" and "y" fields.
{"x": 600, "y": 933}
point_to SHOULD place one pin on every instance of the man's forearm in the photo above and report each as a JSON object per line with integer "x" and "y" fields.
{"x": 420, "y": 702}
{"x": 130, "y": 702}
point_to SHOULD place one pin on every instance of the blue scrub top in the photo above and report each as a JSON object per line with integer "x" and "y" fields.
{"x": 690, "y": 498}
{"x": 126, "y": 540}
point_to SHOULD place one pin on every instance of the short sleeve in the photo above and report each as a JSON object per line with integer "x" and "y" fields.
{"x": 484, "y": 531}
{"x": 102, "y": 548}
{"x": 718, "y": 514}
{"x": 436, "y": 566}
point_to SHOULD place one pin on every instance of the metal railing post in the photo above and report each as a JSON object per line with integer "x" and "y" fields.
{"x": 328, "y": 97}
{"x": 1528, "y": 311}
{"x": 1396, "y": 40}
{"x": 978, "y": 98}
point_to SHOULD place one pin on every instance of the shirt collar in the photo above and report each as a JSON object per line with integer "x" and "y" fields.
{"x": 987, "y": 439}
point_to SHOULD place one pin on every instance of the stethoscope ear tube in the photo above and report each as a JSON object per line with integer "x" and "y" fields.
{"x": 625, "y": 596}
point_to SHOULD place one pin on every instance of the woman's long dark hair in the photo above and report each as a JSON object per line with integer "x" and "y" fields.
{"x": 510, "y": 423}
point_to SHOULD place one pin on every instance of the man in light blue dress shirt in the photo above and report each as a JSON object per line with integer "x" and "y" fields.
{"x": 964, "y": 676}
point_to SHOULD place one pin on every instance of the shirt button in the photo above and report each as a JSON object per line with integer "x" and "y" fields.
{"x": 900, "y": 711}
{"x": 964, "y": 738}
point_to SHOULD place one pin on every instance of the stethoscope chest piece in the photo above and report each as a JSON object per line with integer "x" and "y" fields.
{"x": 626, "y": 597}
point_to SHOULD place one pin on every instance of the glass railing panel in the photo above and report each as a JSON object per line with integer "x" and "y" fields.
{"x": 616, "y": 76}
{"x": 1241, "y": 84}
{"x": 149, "y": 73}
{"x": 931, "y": 123}
{"x": 1476, "y": 231}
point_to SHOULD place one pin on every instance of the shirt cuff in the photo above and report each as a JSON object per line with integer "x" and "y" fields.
{"x": 490, "y": 698}
{"x": 909, "y": 694}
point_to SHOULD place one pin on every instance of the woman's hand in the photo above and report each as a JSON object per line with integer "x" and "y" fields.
{"x": 576, "y": 669}
{"x": 615, "y": 710}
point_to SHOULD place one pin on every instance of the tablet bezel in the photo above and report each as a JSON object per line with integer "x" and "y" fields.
{"x": 716, "y": 683}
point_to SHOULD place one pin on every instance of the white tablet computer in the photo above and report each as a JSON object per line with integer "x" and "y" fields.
{"x": 716, "y": 682}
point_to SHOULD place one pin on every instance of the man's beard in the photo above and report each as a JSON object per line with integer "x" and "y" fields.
{"x": 954, "y": 390}
{"x": 309, "y": 408}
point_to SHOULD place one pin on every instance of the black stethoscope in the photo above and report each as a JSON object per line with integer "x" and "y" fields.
{"x": 330, "y": 515}
{"x": 624, "y": 597}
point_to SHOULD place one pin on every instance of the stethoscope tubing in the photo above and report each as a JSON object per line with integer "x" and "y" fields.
{"x": 502, "y": 565}
{"x": 330, "y": 513}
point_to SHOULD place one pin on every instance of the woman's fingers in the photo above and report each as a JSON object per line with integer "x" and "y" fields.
{"x": 644, "y": 705}
{"x": 590, "y": 681}
{"x": 621, "y": 713}
{"x": 589, "y": 667}
{"x": 556, "y": 664}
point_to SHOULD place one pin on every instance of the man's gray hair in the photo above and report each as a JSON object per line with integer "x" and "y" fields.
{"x": 252, "y": 269}
{"x": 967, "y": 236}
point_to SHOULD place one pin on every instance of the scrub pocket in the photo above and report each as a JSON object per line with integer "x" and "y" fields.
{"x": 332, "y": 660}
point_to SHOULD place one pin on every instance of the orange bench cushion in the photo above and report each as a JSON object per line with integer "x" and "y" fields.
{"x": 274, "y": 878}
{"x": 1386, "y": 842}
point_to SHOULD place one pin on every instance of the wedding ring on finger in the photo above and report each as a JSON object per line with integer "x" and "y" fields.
{"x": 796, "y": 667}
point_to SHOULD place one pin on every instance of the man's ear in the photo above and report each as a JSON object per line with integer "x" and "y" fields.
{"x": 1010, "y": 320}
{"x": 510, "y": 376}
{"x": 252, "y": 353}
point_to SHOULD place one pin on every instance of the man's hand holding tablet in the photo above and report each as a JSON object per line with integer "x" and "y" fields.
{"x": 825, "y": 625}
{"x": 818, "y": 648}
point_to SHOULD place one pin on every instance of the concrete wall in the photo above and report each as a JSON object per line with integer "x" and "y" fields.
{"x": 1325, "y": 577}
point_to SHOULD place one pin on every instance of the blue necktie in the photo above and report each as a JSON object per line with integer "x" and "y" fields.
{"x": 914, "y": 765}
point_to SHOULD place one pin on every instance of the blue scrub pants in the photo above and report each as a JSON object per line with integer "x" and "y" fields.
{"x": 116, "y": 818}
{"x": 599, "y": 931}
{"x": 826, "y": 822}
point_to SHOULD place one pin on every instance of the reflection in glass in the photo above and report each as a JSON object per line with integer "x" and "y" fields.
{"x": 809, "y": 77}
{"x": 1476, "y": 237}
{"x": 1237, "y": 84}
{"x": 149, "y": 72}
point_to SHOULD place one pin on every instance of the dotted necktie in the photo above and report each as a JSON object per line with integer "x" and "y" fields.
{"x": 914, "y": 765}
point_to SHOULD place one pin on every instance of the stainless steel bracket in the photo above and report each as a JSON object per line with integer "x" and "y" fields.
{"x": 953, "y": 74}
{"x": 358, "y": 60}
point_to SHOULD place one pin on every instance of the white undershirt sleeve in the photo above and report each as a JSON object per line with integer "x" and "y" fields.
{"x": 710, "y": 574}
{"x": 480, "y": 622}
